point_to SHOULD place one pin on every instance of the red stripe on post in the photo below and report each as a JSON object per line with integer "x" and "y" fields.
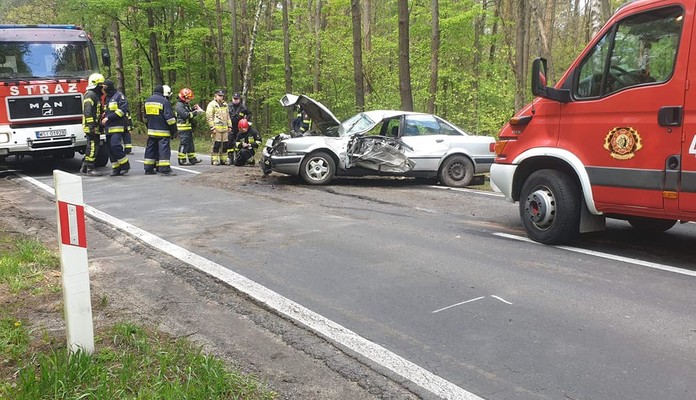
{"x": 78, "y": 235}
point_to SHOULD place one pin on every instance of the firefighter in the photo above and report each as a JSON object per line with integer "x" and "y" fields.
{"x": 92, "y": 109}
{"x": 184, "y": 115}
{"x": 301, "y": 124}
{"x": 161, "y": 127}
{"x": 218, "y": 118}
{"x": 114, "y": 122}
{"x": 238, "y": 111}
{"x": 248, "y": 140}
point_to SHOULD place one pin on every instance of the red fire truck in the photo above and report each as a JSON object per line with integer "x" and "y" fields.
{"x": 43, "y": 74}
{"x": 615, "y": 137}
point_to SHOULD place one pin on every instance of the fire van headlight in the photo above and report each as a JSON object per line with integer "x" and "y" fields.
{"x": 4, "y": 137}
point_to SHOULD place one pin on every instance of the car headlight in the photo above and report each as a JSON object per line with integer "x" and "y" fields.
{"x": 280, "y": 149}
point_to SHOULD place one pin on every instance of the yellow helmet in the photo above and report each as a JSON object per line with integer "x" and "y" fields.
{"x": 94, "y": 80}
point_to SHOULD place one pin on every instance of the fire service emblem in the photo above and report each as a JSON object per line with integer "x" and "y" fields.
{"x": 623, "y": 142}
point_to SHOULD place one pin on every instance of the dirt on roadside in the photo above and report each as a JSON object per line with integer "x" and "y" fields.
{"x": 132, "y": 282}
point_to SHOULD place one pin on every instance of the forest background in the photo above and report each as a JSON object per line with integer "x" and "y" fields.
{"x": 465, "y": 60}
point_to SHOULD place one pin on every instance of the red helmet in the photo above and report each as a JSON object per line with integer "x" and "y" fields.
{"x": 243, "y": 124}
{"x": 186, "y": 94}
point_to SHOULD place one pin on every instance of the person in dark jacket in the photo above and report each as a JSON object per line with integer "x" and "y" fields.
{"x": 92, "y": 109}
{"x": 161, "y": 127}
{"x": 115, "y": 121}
{"x": 247, "y": 142}
{"x": 238, "y": 111}
{"x": 184, "y": 115}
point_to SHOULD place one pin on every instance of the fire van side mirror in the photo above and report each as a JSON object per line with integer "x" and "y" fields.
{"x": 106, "y": 57}
{"x": 539, "y": 83}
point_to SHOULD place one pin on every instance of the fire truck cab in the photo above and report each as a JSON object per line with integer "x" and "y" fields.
{"x": 615, "y": 137}
{"x": 43, "y": 75}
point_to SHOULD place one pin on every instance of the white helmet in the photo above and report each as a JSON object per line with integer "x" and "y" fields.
{"x": 94, "y": 80}
{"x": 166, "y": 91}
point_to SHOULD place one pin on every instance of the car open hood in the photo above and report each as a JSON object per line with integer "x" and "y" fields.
{"x": 322, "y": 117}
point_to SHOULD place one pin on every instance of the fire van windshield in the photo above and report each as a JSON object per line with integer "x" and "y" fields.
{"x": 46, "y": 59}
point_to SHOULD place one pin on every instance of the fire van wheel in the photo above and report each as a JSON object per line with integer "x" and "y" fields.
{"x": 550, "y": 207}
{"x": 317, "y": 168}
{"x": 457, "y": 171}
{"x": 651, "y": 225}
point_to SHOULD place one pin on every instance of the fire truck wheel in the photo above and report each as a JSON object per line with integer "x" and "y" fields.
{"x": 550, "y": 207}
{"x": 651, "y": 225}
{"x": 457, "y": 171}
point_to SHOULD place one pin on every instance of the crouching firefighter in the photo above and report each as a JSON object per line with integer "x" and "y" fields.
{"x": 161, "y": 127}
{"x": 248, "y": 140}
{"x": 115, "y": 122}
{"x": 92, "y": 109}
{"x": 184, "y": 115}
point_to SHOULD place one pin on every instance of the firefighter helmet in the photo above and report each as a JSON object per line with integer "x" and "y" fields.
{"x": 243, "y": 124}
{"x": 94, "y": 80}
{"x": 166, "y": 91}
{"x": 186, "y": 94}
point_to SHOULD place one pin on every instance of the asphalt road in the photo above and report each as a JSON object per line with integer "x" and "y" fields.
{"x": 440, "y": 278}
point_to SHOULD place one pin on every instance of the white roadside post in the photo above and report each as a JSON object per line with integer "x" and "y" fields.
{"x": 73, "y": 261}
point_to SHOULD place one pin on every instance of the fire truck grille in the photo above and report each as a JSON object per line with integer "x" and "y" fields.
{"x": 42, "y": 144}
{"x": 44, "y": 107}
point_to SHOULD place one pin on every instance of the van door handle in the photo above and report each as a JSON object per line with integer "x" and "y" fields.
{"x": 670, "y": 116}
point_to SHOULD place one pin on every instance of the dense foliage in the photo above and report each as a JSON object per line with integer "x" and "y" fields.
{"x": 476, "y": 77}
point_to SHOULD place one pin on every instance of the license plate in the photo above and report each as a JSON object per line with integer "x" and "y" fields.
{"x": 51, "y": 133}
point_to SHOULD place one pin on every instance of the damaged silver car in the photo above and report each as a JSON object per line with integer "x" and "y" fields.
{"x": 380, "y": 142}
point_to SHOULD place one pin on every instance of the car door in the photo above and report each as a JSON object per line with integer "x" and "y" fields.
{"x": 687, "y": 190}
{"x": 624, "y": 123}
{"x": 423, "y": 134}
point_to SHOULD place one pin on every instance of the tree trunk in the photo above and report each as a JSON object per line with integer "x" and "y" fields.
{"x": 357, "y": 56}
{"x": 435, "y": 51}
{"x": 118, "y": 49}
{"x": 286, "y": 54}
{"x": 222, "y": 71}
{"x": 138, "y": 85}
{"x": 235, "y": 46}
{"x": 317, "y": 47}
{"x": 247, "y": 70}
{"x": 404, "y": 58}
{"x": 520, "y": 54}
{"x": 154, "y": 49}
{"x": 367, "y": 25}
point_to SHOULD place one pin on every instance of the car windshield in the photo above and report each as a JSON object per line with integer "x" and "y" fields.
{"x": 355, "y": 124}
{"x": 44, "y": 59}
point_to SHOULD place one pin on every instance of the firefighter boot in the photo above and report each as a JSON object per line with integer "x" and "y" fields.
{"x": 182, "y": 161}
{"x": 125, "y": 168}
{"x": 194, "y": 160}
{"x": 93, "y": 172}
{"x": 115, "y": 171}
{"x": 83, "y": 168}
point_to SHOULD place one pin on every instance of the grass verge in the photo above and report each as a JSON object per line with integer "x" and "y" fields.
{"x": 130, "y": 361}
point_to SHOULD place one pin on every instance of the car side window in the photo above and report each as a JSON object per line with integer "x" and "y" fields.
{"x": 421, "y": 125}
{"x": 641, "y": 49}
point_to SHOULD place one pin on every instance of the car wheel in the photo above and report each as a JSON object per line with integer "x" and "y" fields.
{"x": 317, "y": 168}
{"x": 457, "y": 171}
{"x": 550, "y": 207}
{"x": 651, "y": 225}
{"x": 102, "y": 155}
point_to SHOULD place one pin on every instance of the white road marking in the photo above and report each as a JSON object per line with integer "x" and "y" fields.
{"x": 628, "y": 260}
{"x": 501, "y": 299}
{"x": 483, "y": 192}
{"x": 458, "y": 304}
{"x": 316, "y": 322}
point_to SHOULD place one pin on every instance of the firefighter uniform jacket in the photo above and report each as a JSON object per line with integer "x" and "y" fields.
{"x": 160, "y": 116}
{"x": 184, "y": 115}
{"x": 92, "y": 109}
{"x": 116, "y": 110}
{"x": 218, "y": 118}
{"x": 238, "y": 112}
{"x": 250, "y": 137}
